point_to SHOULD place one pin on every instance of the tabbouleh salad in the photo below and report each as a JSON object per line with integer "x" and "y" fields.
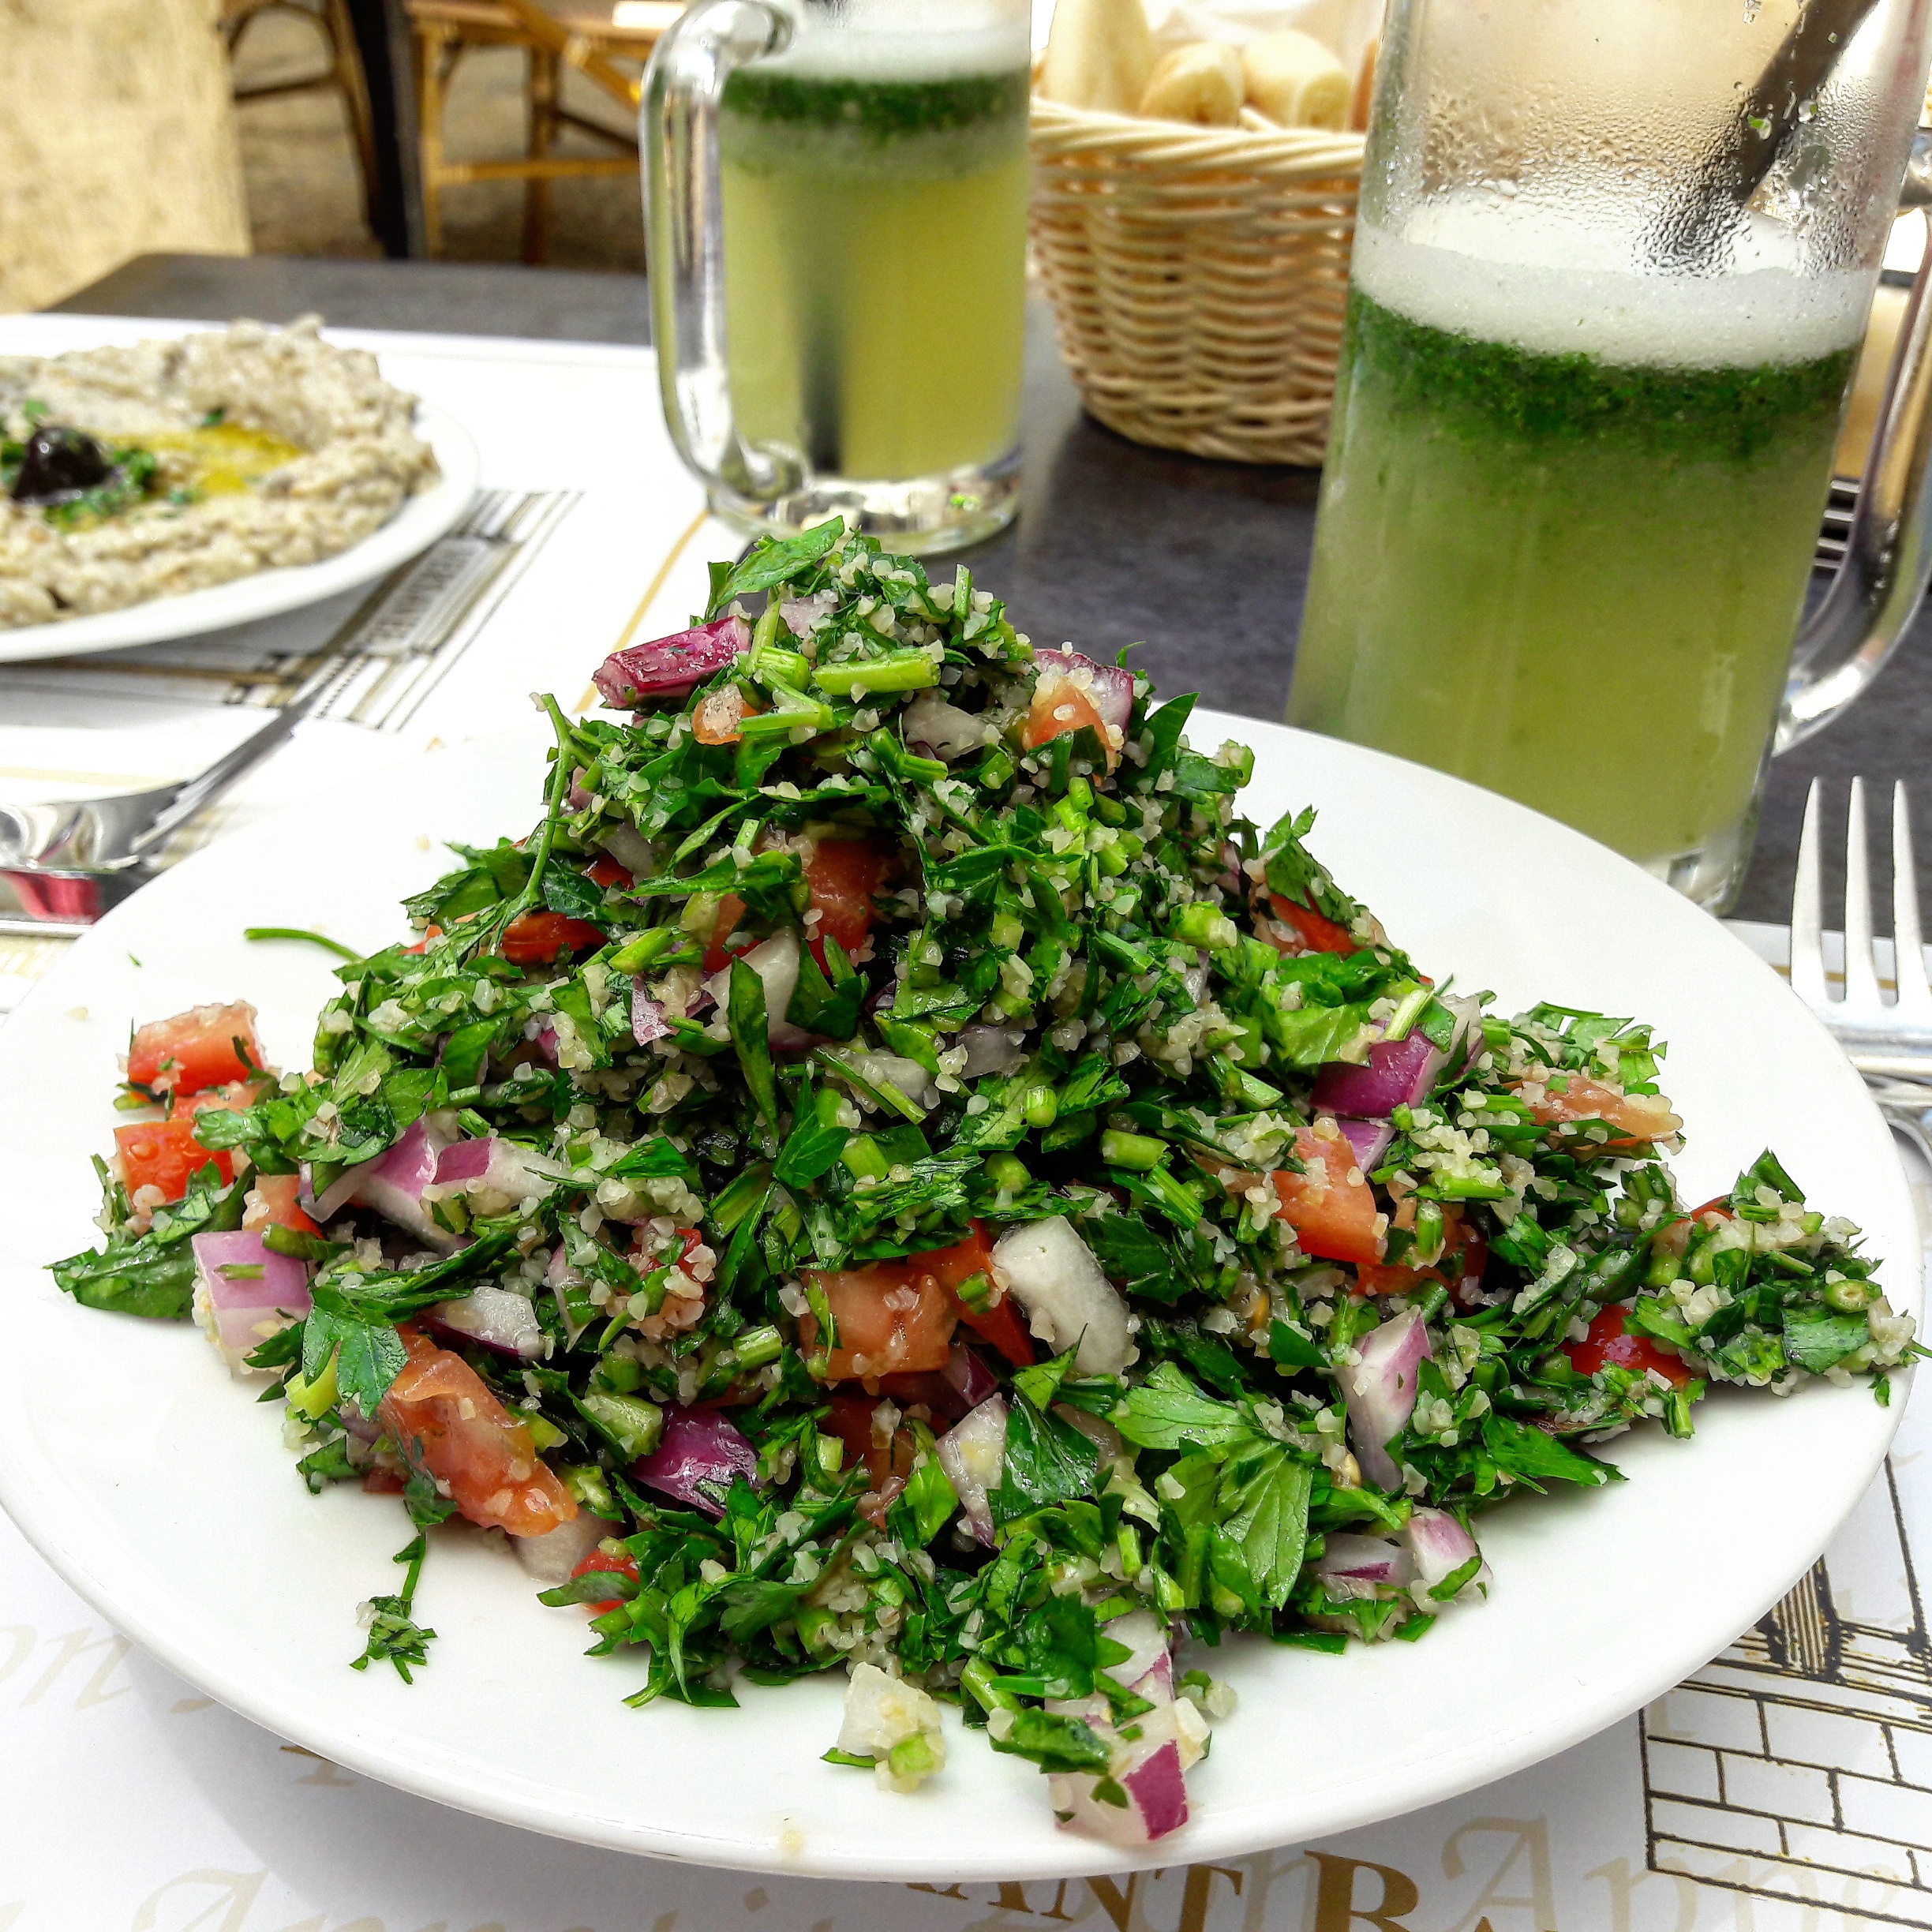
{"x": 895, "y": 1173}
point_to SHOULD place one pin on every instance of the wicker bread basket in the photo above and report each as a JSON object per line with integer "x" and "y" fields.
{"x": 1198, "y": 276}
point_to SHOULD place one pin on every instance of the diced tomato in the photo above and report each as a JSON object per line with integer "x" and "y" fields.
{"x": 196, "y": 1049}
{"x": 1465, "y": 1255}
{"x": 625, "y": 1565}
{"x": 998, "y": 1321}
{"x": 605, "y": 872}
{"x": 381, "y": 1481}
{"x": 1609, "y": 1344}
{"x": 274, "y": 1201}
{"x": 888, "y": 1464}
{"x": 842, "y": 878}
{"x": 890, "y": 1317}
{"x": 1718, "y": 1208}
{"x": 1639, "y": 1118}
{"x": 731, "y": 910}
{"x": 536, "y": 938}
{"x": 1060, "y": 707}
{"x": 717, "y": 718}
{"x": 446, "y": 1422}
{"x": 165, "y": 1155}
{"x": 1317, "y": 932}
{"x": 1330, "y": 1206}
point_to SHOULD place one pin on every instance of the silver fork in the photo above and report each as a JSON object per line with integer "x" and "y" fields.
{"x": 69, "y": 860}
{"x": 1890, "y": 1040}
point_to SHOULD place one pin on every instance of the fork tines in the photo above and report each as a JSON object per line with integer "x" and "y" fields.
{"x": 1863, "y": 1016}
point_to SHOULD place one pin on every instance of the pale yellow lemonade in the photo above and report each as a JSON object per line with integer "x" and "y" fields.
{"x": 874, "y": 265}
{"x": 1566, "y": 529}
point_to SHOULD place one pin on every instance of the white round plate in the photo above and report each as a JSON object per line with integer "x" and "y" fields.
{"x": 161, "y": 1492}
{"x": 421, "y": 520}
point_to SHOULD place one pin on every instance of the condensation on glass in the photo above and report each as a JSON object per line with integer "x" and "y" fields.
{"x": 836, "y": 200}
{"x": 1612, "y": 274}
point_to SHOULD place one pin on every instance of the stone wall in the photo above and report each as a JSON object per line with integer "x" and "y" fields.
{"x": 116, "y": 139}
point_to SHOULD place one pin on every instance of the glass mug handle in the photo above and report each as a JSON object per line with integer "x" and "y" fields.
{"x": 1887, "y": 558}
{"x": 684, "y": 240}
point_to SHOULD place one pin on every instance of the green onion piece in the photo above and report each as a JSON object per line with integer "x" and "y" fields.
{"x": 1205, "y": 925}
{"x": 897, "y": 671}
{"x": 1409, "y": 1010}
{"x": 757, "y": 1347}
{"x": 1008, "y": 1171}
{"x": 1132, "y": 1149}
{"x": 795, "y": 711}
{"x": 863, "y": 1158}
{"x": 632, "y": 1426}
{"x": 976, "y": 1291}
{"x": 649, "y": 949}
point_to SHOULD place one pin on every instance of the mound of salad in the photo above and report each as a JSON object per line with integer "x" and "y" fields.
{"x": 894, "y": 1174}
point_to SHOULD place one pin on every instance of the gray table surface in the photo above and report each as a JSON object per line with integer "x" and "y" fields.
{"x": 1205, "y": 562}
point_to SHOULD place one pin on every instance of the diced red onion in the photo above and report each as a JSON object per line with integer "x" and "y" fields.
{"x": 1109, "y": 688}
{"x": 974, "y": 1380}
{"x": 1157, "y": 1791}
{"x": 497, "y": 1319}
{"x": 670, "y": 667}
{"x": 894, "y": 1070}
{"x": 947, "y": 1394}
{"x": 558, "y": 1278}
{"x": 241, "y": 1313}
{"x": 1369, "y": 1561}
{"x": 1468, "y": 1042}
{"x": 1397, "y": 1075}
{"x": 776, "y": 961}
{"x": 1146, "y": 1637}
{"x": 1379, "y": 1389}
{"x": 1369, "y": 1138}
{"x": 552, "y": 1557}
{"x": 801, "y": 613}
{"x": 973, "y": 1454}
{"x": 392, "y": 1186}
{"x": 1438, "y": 1546}
{"x": 991, "y": 1049}
{"x": 945, "y": 730}
{"x": 496, "y": 1175}
{"x": 577, "y": 798}
{"x": 542, "y": 1035}
{"x": 630, "y": 849}
{"x": 700, "y": 1451}
{"x": 1053, "y": 1275}
{"x": 647, "y": 1016}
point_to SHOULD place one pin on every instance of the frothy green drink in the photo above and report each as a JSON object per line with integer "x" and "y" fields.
{"x": 875, "y": 242}
{"x": 1576, "y": 576}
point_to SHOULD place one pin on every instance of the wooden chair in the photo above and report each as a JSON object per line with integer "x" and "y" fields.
{"x": 343, "y": 73}
{"x": 578, "y": 33}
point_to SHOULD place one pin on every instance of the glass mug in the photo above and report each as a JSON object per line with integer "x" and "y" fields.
{"x": 1611, "y": 273}
{"x": 836, "y": 200}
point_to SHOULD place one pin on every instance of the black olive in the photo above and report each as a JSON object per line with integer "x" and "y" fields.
{"x": 58, "y": 464}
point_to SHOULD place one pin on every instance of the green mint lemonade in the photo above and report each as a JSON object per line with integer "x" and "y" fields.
{"x": 1566, "y": 529}
{"x": 875, "y": 251}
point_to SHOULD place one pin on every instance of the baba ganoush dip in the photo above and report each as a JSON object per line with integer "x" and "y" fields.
{"x": 133, "y": 472}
